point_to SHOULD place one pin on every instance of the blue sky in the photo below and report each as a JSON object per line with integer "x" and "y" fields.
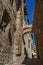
{"x": 31, "y": 8}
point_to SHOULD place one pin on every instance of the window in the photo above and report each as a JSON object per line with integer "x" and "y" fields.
{"x": 28, "y": 43}
{"x": 5, "y": 20}
{"x": 18, "y": 4}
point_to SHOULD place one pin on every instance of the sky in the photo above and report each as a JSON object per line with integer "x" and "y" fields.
{"x": 31, "y": 8}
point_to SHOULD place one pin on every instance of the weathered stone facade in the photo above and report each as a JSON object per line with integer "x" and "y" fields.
{"x": 15, "y": 35}
{"x": 4, "y": 48}
{"x": 13, "y": 32}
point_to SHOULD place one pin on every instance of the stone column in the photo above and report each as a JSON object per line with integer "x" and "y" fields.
{"x": 17, "y": 40}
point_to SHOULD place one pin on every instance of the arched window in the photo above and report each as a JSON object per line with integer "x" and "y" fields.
{"x": 5, "y": 20}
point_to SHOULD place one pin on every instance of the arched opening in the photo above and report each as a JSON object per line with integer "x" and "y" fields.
{"x": 5, "y": 20}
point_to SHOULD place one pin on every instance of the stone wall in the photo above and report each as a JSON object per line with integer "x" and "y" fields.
{"x": 4, "y": 48}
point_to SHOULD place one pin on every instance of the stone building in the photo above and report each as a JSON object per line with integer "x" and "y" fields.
{"x": 11, "y": 28}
